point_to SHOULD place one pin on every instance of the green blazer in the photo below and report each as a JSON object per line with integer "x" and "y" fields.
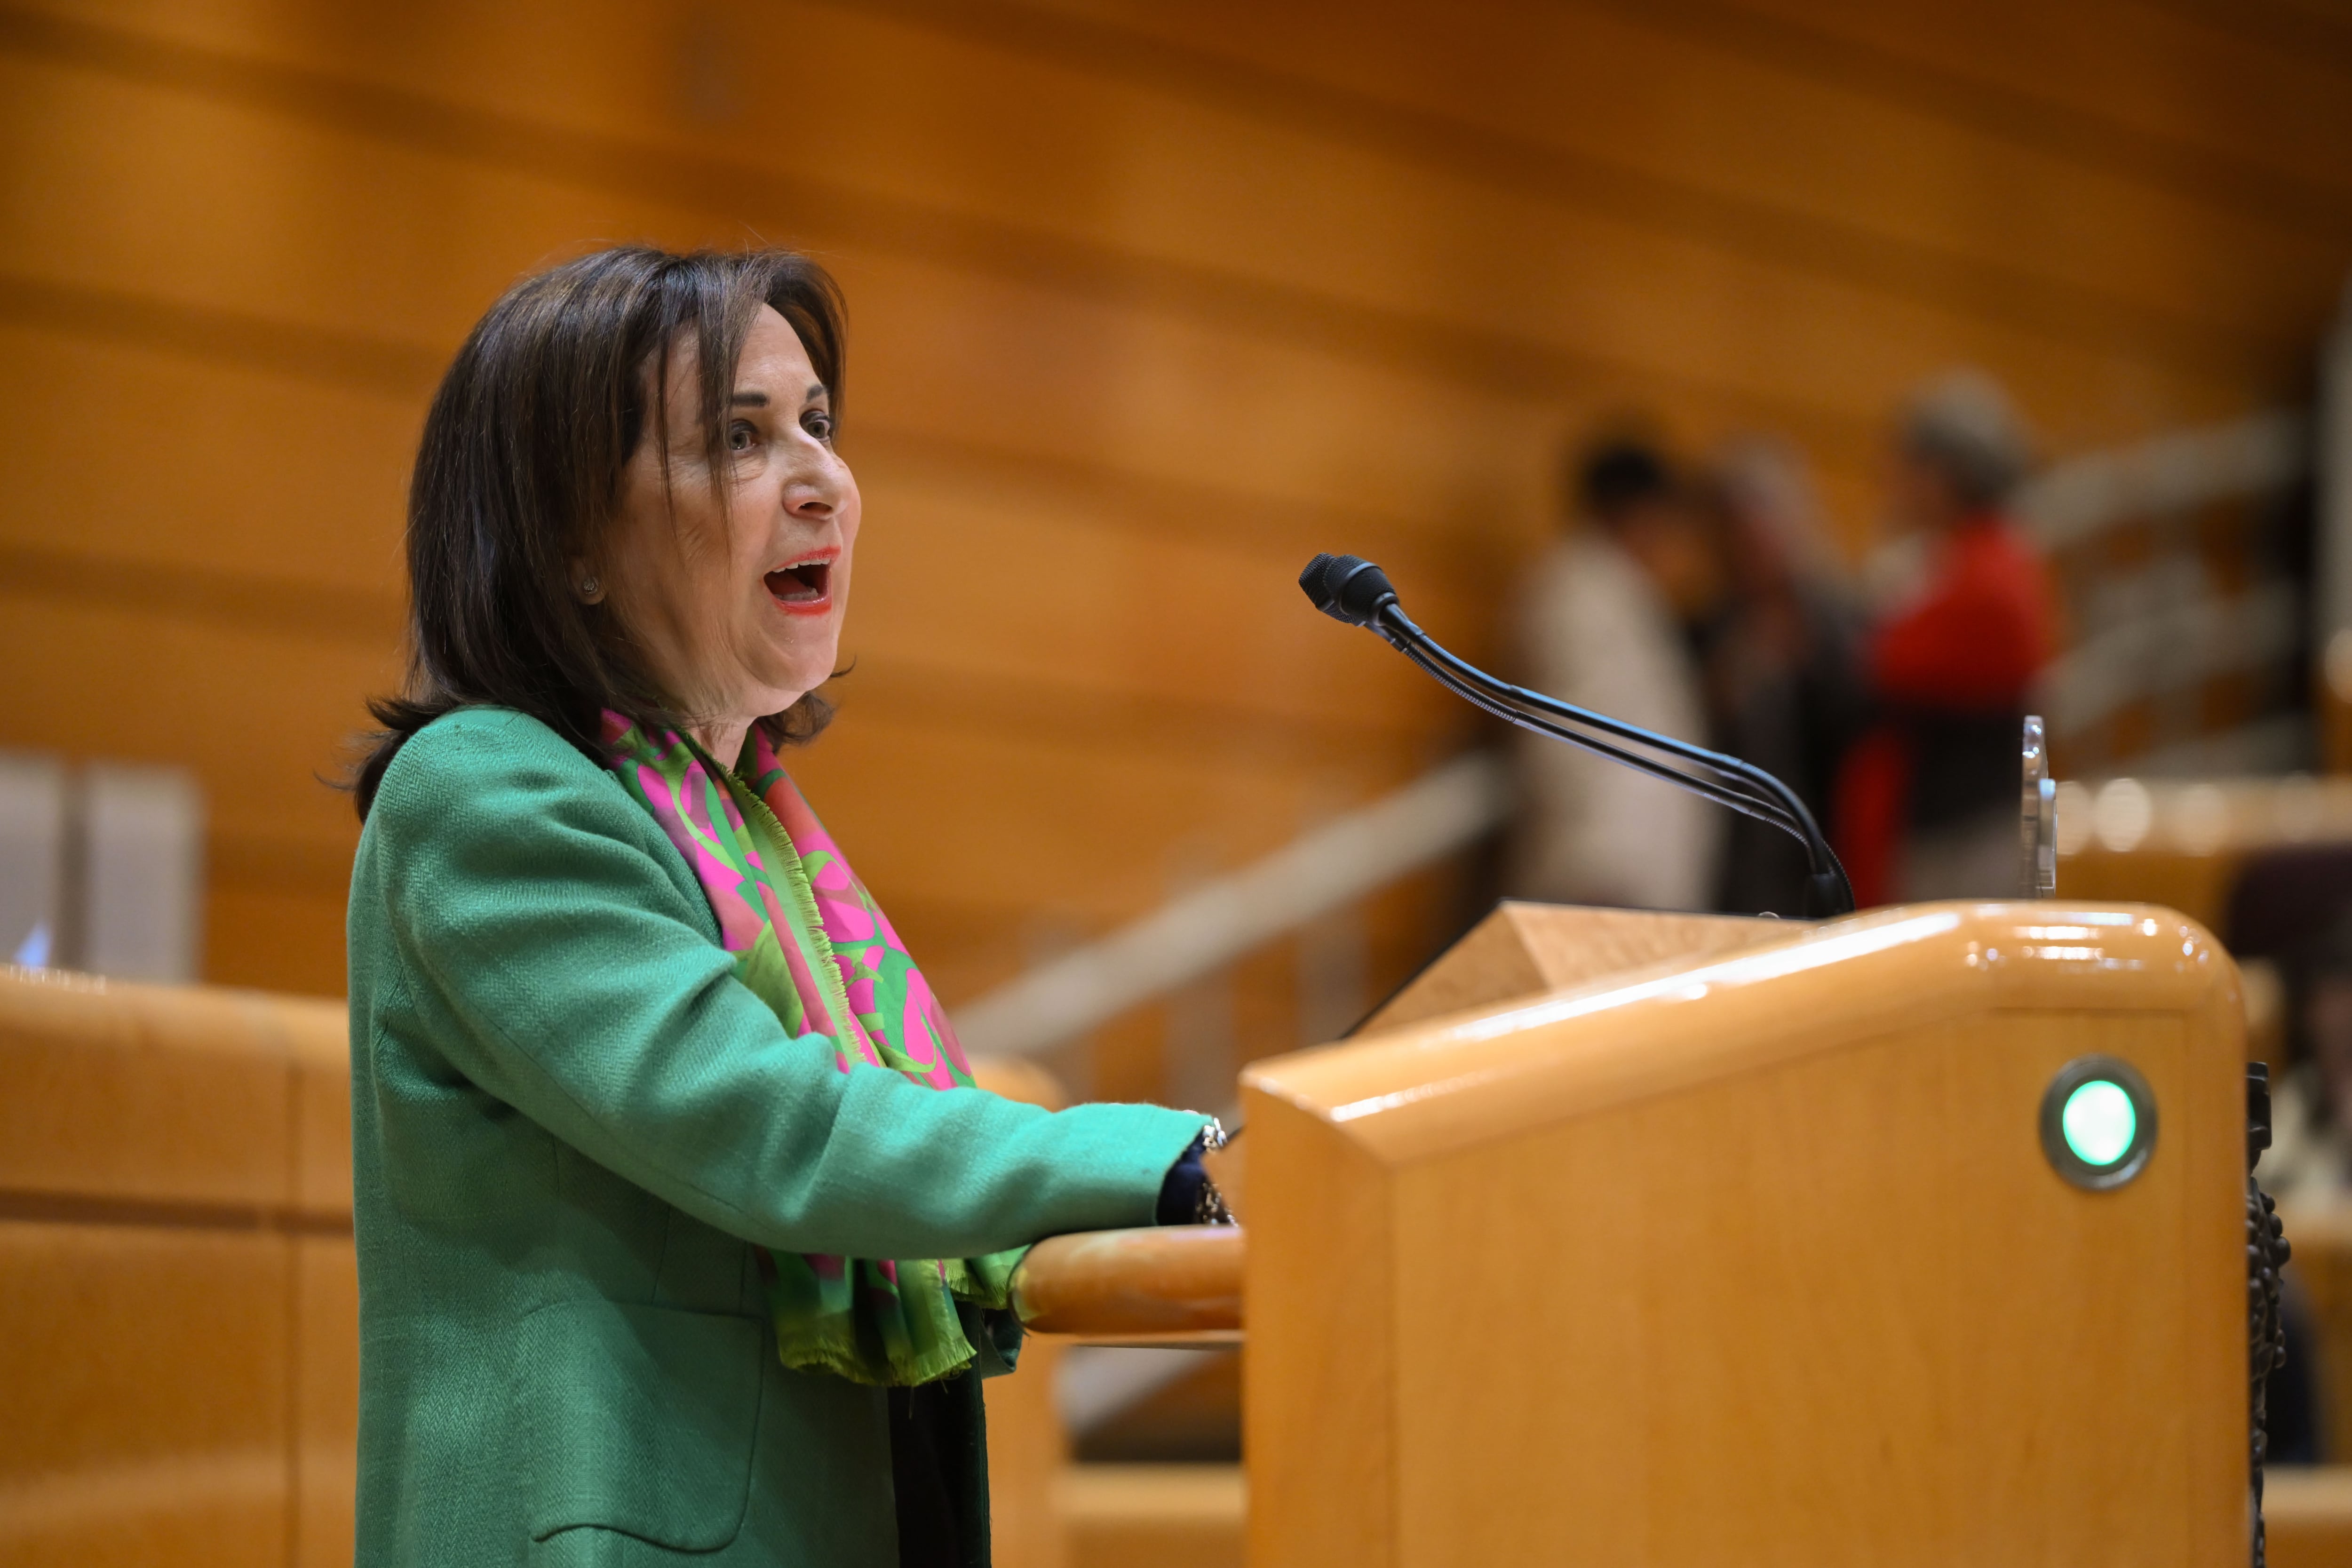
{"x": 570, "y": 1124}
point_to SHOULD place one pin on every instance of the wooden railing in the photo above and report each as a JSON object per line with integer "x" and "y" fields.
{"x": 1176, "y": 1283}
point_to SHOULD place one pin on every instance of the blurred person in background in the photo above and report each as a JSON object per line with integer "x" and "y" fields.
{"x": 1928, "y": 798}
{"x": 2310, "y": 1156}
{"x": 1608, "y": 623}
{"x": 2309, "y": 1166}
{"x": 1783, "y": 662}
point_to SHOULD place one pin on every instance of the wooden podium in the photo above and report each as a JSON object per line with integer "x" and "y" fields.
{"x": 1627, "y": 1239}
{"x": 1758, "y": 1257}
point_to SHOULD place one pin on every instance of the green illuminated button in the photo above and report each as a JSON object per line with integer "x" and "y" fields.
{"x": 2099, "y": 1122}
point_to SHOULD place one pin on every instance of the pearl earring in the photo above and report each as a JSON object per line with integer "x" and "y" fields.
{"x": 591, "y": 589}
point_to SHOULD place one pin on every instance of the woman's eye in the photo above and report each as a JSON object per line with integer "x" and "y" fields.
{"x": 818, "y": 423}
{"x": 741, "y": 437}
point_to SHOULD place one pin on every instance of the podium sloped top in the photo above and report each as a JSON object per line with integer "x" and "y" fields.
{"x": 1471, "y": 1077}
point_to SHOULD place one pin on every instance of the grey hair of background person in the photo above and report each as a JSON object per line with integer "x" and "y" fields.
{"x": 1964, "y": 424}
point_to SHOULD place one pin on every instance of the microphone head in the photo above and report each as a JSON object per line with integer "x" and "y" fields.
{"x": 1347, "y": 588}
{"x": 1310, "y": 581}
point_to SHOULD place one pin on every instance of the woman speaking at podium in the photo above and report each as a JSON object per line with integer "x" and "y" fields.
{"x": 683, "y": 1233}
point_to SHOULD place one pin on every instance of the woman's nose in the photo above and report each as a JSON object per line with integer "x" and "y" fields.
{"x": 812, "y": 493}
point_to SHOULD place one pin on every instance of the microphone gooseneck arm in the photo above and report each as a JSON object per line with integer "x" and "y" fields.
{"x": 1353, "y": 590}
{"x": 1741, "y": 781}
{"x": 1722, "y": 795}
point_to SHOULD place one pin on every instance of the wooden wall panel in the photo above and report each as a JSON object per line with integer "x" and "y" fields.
{"x": 256, "y": 712}
{"x": 1755, "y": 297}
{"x": 1471, "y": 246}
{"x": 1124, "y": 133}
{"x": 119, "y": 458}
{"x": 2243, "y": 103}
{"x": 1147, "y": 304}
{"x": 1678, "y": 115}
{"x": 268, "y": 934}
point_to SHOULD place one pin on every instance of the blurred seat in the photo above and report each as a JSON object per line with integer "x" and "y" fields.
{"x": 2187, "y": 843}
{"x": 2280, "y": 898}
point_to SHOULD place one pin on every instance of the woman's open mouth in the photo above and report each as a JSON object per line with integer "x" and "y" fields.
{"x": 803, "y": 588}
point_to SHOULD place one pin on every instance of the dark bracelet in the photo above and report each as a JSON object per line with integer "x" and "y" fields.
{"x": 1189, "y": 1196}
{"x": 1210, "y": 1209}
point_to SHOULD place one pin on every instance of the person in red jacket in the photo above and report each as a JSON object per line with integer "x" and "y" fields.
{"x": 1928, "y": 798}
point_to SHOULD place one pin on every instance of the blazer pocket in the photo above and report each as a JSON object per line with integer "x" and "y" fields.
{"x": 635, "y": 1419}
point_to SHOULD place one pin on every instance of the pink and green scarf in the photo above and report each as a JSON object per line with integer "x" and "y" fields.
{"x": 810, "y": 942}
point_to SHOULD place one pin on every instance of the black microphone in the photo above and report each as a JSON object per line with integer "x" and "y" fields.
{"x": 1350, "y": 589}
{"x": 1347, "y": 588}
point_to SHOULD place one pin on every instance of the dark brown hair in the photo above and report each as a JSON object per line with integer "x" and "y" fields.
{"x": 520, "y": 471}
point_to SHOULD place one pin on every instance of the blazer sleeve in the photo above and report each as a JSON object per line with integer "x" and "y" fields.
{"x": 526, "y": 894}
